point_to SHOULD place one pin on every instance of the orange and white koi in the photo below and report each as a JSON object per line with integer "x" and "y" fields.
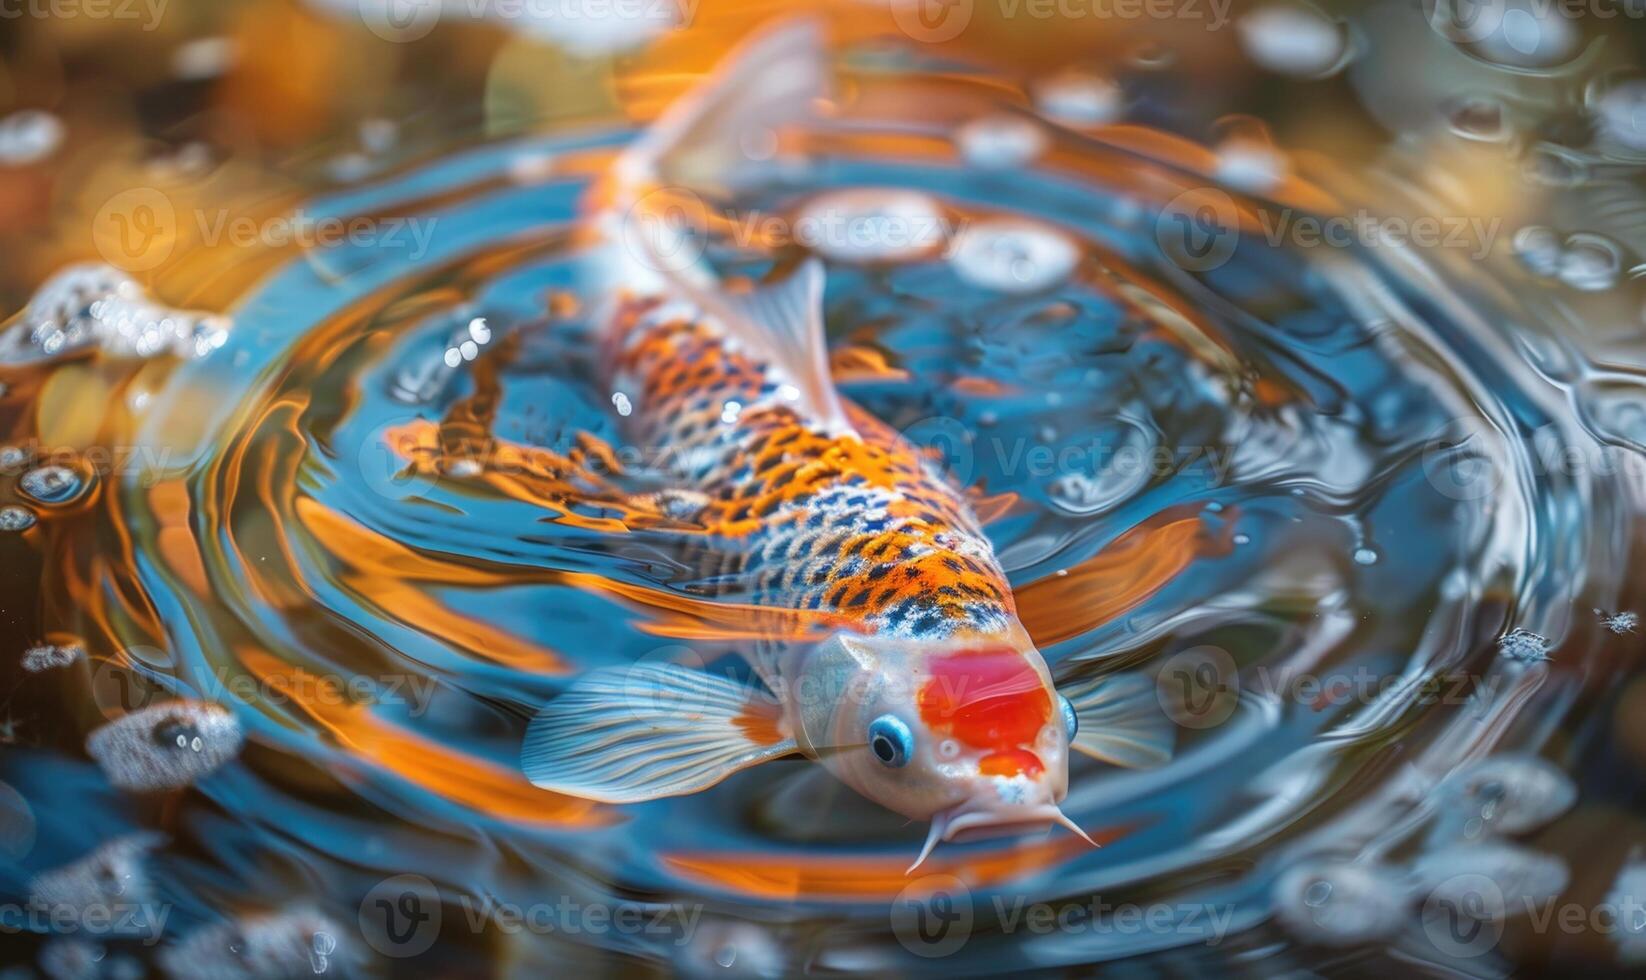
{"x": 932, "y": 700}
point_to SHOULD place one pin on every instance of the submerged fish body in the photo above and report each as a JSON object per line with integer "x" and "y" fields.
{"x": 931, "y": 699}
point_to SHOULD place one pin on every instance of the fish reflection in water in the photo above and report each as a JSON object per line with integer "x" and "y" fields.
{"x": 438, "y": 482}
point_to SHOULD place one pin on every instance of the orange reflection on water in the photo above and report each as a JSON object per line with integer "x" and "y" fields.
{"x": 823, "y": 876}
{"x": 476, "y": 783}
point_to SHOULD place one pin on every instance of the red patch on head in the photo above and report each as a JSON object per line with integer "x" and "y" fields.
{"x": 988, "y": 698}
{"x": 1012, "y": 762}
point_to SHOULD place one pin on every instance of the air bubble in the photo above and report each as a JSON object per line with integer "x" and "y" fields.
{"x": 52, "y": 484}
{"x": 1079, "y": 98}
{"x": 286, "y": 944}
{"x": 1293, "y": 40}
{"x": 1365, "y": 556}
{"x": 1591, "y": 263}
{"x": 1335, "y": 903}
{"x": 1511, "y": 794}
{"x": 1621, "y": 114}
{"x": 621, "y": 402}
{"x": 110, "y": 881}
{"x": 29, "y": 136}
{"x": 1478, "y": 118}
{"x": 1630, "y": 935}
{"x": 1001, "y": 142}
{"x": 14, "y": 518}
{"x": 1014, "y": 256}
{"x": 867, "y": 225}
{"x": 1247, "y": 158}
{"x": 165, "y": 746}
{"x": 1523, "y": 877}
{"x": 1539, "y": 249}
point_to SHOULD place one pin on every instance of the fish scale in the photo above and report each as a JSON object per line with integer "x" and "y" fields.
{"x": 860, "y": 525}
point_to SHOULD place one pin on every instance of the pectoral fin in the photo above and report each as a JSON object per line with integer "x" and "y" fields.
{"x": 1121, "y": 721}
{"x": 629, "y": 734}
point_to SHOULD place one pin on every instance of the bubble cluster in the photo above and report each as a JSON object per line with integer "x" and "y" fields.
{"x": 165, "y": 746}
{"x": 1509, "y": 794}
{"x": 1622, "y": 622}
{"x": 48, "y": 656}
{"x": 293, "y": 943}
{"x": 110, "y": 879}
{"x": 1336, "y": 903}
{"x": 93, "y": 306}
{"x": 1524, "y": 646}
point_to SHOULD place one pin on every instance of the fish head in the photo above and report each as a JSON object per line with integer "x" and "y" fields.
{"x": 967, "y": 732}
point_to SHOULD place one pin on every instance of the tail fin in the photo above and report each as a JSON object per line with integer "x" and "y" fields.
{"x": 769, "y": 80}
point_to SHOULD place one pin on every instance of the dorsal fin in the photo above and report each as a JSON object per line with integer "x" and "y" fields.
{"x": 784, "y": 321}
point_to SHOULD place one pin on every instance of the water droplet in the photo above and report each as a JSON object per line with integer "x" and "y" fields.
{"x": 621, "y": 402}
{"x": 1001, "y": 142}
{"x": 726, "y": 955}
{"x": 1291, "y": 39}
{"x": 1243, "y": 539}
{"x": 140, "y": 751}
{"x": 1079, "y": 98}
{"x": 1013, "y": 256}
{"x": 1365, "y": 556}
{"x": 1247, "y": 158}
{"x": 29, "y": 136}
{"x": 1591, "y": 263}
{"x": 1335, "y": 903}
{"x": 479, "y": 332}
{"x": 869, "y": 225}
{"x": 1509, "y": 793}
{"x": 1539, "y": 249}
{"x": 730, "y": 412}
{"x": 1621, "y": 114}
{"x": 14, "y": 518}
{"x": 52, "y": 484}
{"x": 1478, "y": 118}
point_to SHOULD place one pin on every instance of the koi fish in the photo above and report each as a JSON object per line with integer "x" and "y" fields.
{"x": 932, "y": 700}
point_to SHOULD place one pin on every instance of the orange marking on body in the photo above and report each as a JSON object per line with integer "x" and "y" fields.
{"x": 759, "y": 723}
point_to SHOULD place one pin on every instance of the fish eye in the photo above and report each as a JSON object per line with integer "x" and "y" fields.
{"x": 1071, "y": 724}
{"x": 891, "y": 741}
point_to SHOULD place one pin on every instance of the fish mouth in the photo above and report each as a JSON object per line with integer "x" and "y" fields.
{"x": 971, "y": 825}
